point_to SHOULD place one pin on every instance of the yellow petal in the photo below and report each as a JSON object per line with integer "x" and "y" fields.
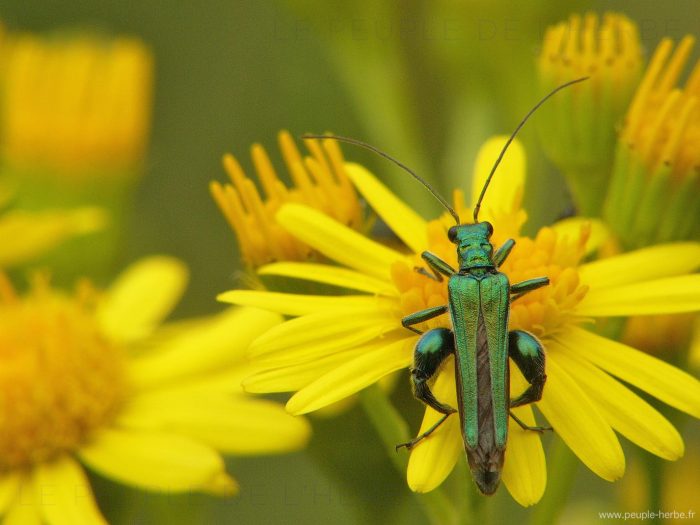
{"x": 626, "y": 412}
{"x": 571, "y": 228}
{"x": 662, "y": 296}
{"x": 433, "y": 459}
{"x": 663, "y": 381}
{"x": 525, "y": 470}
{"x": 506, "y": 186}
{"x": 219, "y": 343}
{"x": 228, "y": 380}
{"x": 221, "y": 485}
{"x": 300, "y": 304}
{"x": 577, "y": 421}
{"x": 65, "y": 494}
{"x": 296, "y": 376}
{"x": 403, "y": 221}
{"x": 232, "y": 424}
{"x": 24, "y": 509}
{"x": 9, "y": 485}
{"x": 338, "y": 242}
{"x": 156, "y": 461}
{"x": 332, "y": 330}
{"x": 142, "y": 296}
{"x": 655, "y": 262}
{"x": 324, "y": 273}
{"x": 352, "y": 377}
{"x": 28, "y": 235}
{"x": 363, "y": 338}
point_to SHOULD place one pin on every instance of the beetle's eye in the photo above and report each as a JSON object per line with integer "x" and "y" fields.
{"x": 489, "y": 228}
{"x": 452, "y": 233}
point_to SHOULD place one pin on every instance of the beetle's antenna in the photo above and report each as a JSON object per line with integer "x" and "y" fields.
{"x": 395, "y": 161}
{"x": 512, "y": 136}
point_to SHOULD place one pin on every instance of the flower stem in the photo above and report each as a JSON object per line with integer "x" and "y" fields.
{"x": 393, "y": 429}
{"x": 563, "y": 465}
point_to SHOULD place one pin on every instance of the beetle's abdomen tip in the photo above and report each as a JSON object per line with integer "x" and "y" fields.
{"x": 487, "y": 480}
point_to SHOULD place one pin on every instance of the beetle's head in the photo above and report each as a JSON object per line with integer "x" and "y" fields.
{"x": 474, "y": 249}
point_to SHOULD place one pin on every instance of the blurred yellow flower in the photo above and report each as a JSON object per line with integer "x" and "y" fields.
{"x": 662, "y": 335}
{"x": 694, "y": 351}
{"x": 654, "y": 193}
{"x": 338, "y": 345}
{"x": 578, "y": 128}
{"x": 319, "y": 181}
{"x": 678, "y": 491}
{"x": 91, "y": 379}
{"x": 74, "y": 104}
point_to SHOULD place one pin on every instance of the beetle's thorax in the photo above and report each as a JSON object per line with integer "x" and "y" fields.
{"x": 474, "y": 249}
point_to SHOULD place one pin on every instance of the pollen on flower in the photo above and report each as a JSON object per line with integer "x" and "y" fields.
{"x": 319, "y": 180}
{"x": 75, "y": 104}
{"x": 542, "y": 311}
{"x": 60, "y": 378}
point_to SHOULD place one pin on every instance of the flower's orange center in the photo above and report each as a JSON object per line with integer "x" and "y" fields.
{"x": 75, "y": 105}
{"x": 541, "y": 312}
{"x": 59, "y": 379}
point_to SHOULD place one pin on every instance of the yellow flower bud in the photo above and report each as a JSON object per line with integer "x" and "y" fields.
{"x": 653, "y": 195}
{"x": 319, "y": 181}
{"x": 578, "y": 126}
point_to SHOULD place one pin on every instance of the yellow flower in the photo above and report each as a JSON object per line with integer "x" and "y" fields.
{"x": 659, "y": 334}
{"x": 338, "y": 345}
{"x": 319, "y": 181}
{"x": 678, "y": 490}
{"x": 578, "y": 128}
{"x": 654, "y": 193}
{"x": 74, "y": 104}
{"x": 92, "y": 379}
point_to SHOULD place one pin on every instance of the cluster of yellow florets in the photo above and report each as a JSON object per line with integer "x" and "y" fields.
{"x": 541, "y": 311}
{"x": 60, "y": 378}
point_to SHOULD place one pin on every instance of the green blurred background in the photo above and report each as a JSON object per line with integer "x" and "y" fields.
{"x": 230, "y": 73}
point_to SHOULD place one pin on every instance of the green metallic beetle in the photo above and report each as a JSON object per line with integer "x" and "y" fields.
{"x": 479, "y": 299}
{"x": 479, "y": 302}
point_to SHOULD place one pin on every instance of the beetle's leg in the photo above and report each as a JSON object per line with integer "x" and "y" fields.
{"x": 527, "y": 353}
{"x": 517, "y": 290}
{"x": 503, "y": 252}
{"x": 410, "y": 444}
{"x": 525, "y": 426}
{"x": 431, "y": 350}
{"x": 423, "y": 315}
{"x": 437, "y": 266}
